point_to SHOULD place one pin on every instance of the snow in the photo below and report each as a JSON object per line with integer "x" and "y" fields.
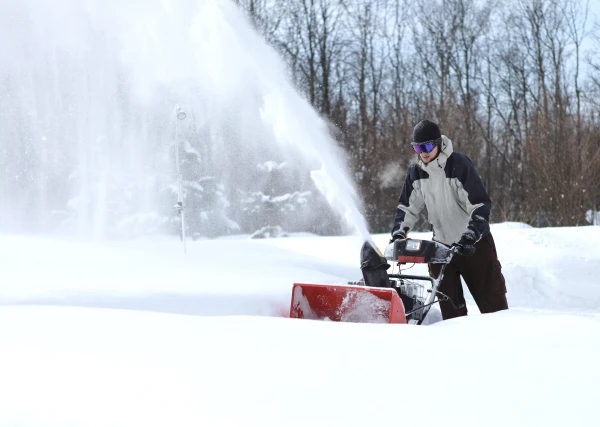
{"x": 592, "y": 217}
{"x": 135, "y": 333}
{"x": 270, "y": 166}
{"x": 364, "y": 307}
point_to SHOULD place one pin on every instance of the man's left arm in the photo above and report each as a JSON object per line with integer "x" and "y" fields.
{"x": 477, "y": 201}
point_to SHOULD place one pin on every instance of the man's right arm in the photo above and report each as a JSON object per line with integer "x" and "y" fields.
{"x": 410, "y": 205}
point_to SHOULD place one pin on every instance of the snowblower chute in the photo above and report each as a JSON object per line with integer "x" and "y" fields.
{"x": 346, "y": 303}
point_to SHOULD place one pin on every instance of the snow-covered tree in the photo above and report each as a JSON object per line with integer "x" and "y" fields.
{"x": 277, "y": 207}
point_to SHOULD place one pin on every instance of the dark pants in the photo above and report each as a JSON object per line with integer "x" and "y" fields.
{"x": 482, "y": 273}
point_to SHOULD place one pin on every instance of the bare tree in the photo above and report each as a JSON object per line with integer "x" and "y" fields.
{"x": 265, "y": 15}
{"x": 504, "y": 80}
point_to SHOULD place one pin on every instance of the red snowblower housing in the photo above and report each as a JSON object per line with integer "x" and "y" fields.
{"x": 378, "y": 297}
{"x": 345, "y": 303}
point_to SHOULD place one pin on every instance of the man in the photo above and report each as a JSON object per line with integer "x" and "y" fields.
{"x": 447, "y": 184}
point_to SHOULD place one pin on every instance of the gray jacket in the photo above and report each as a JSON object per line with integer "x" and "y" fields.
{"x": 451, "y": 190}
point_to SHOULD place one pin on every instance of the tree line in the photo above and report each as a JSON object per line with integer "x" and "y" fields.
{"x": 514, "y": 84}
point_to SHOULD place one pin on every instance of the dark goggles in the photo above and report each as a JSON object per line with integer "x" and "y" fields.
{"x": 425, "y": 147}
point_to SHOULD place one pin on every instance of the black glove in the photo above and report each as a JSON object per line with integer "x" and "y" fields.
{"x": 399, "y": 235}
{"x": 466, "y": 244}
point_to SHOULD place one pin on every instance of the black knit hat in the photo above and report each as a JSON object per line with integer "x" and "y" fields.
{"x": 426, "y": 131}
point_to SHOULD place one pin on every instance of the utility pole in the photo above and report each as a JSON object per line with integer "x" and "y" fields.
{"x": 179, "y": 115}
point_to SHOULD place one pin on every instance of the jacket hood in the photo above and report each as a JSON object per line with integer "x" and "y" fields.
{"x": 447, "y": 149}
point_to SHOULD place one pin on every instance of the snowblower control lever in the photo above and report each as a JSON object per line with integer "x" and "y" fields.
{"x": 419, "y": 251}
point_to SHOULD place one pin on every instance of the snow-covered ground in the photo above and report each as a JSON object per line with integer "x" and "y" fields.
{"x": 139, "y": 334}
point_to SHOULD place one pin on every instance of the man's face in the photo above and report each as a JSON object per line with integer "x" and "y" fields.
{"x": 427, "y": 157}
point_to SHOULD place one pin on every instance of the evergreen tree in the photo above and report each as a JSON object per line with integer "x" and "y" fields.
{"x": 277, "y": 207}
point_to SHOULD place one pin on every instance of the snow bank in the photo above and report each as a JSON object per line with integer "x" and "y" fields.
{"x": 546, "y": 269}
{"x": 121, "y": 363}
{"x": 98, "y": 367}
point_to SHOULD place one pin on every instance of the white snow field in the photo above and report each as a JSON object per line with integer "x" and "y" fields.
{"x": 138, "y": 334}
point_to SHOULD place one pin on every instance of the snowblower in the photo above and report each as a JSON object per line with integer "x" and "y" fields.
{"x": 378, "y": 297}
